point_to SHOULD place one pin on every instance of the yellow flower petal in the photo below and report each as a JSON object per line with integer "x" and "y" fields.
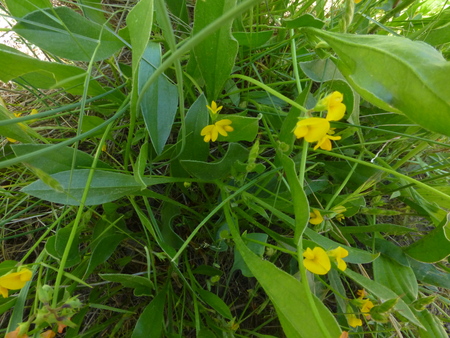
{"x": 353, "y": 321}
{"x": 14, "y": 281}
{"x": 213, "y": 108}
{"x": 312, "y": 129}
{"x": 316, "y": 261}
{"x": 315, "y": 217}
{"x": 212, "y": 131}
{"x": 366, "y": 306}
{"x": 338, "y": 254}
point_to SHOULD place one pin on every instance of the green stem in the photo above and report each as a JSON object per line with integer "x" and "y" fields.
{"x": 294, "y": 63}
{"x": 302, "y": 168}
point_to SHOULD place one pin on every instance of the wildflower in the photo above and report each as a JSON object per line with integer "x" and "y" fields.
{"x": 340, "y": 217}
{"x": 104, "y": 148}
{"x": 212, "y": 131}
{"x": 213, "y": 108}
{"x": 48, "y": 334}
{"x": 338, "y": 254}
{"x": 332, "y": 103}
{"x": 325, "y": 143}
{"x": 61, "y": 327}
{"x": 357, "y": 1}
{"x": 366, "y": 306}
{"x": 353, "y": 321}
{"x": 316, "y": 261}
{"x": 14, "y": 281}
{"x": 361, "y": 293}
{"x": 315, "y": 217}
{"x": 313, "y": 129}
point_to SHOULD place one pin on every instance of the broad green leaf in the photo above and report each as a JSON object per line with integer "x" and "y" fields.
{"x": 321, "y": 70}
{"x": 160, "y": 101}
{"x": 215, "y": 55}
{"x": 42, "y": 74}
{"x": 432, "y": 325}
{"x": 384, "y": 293}
{"x": 252, "y": 40}
{"x": 139, "y": 24}
{"x": 433, "y": 247}
{"x": 288, "y": 296}
{"x": 428, "y": 274}
{"x": 179, "y": 9}
{"x": 245, "y": 129}
{"x": 65, "y": 33}
{"x": 397, "y": 277}
{"x": 431, "y": 197}
{"x": 150, "y": 322}
{"x": 415, "y": 83}
{"x": 56, "y": 245}
{"x": 258, "y": 249}
{"x": 106, "y": 187}
{"x": 216, "y": 303}
{"x": 103, "y": 250}
{"x": 210, "y": 171}
{"x": 142, "y": 286}
{"x": 20, "y": 8}
{"x": 56, "y": 161}
{"x": 305, "y": 20}
{"x": 92, "y": 9}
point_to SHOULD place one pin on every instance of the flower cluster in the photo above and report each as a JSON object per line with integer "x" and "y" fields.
{"x": 14, "y": 281}
{"x": 318, "y": 260}
{"x": 211, "y": 132}
{"x": 317, "y": 129}
{"x": 365, "y": 306}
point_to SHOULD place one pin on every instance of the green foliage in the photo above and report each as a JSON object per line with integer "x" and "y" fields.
{"x": 133, "y": 225}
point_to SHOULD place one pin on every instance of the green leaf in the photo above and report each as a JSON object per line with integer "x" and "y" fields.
{"x": 258, "y": 249}
{"x": 150, "y": 322}
{"x": 56, "y": 245}
{"x": 142, "y": 286}
{"x": 20, "y": 8}
{"x": 7, "y": 266}
{"x": 42, "y": 74}
{"x": 252, "y": 39}
{"x": 428, "y": 274}
{"x": 397, "y": 277}
{"x": 105, "y": 187}
{"x": 57, "y": 161}
{"x": 92, "y": 9}
{"x": 210, "y": 171}
{"x": 432, "y": 326}
{"x": 433, "y": 247}
{"x": 160, "y": 100}
{"x": 216, "y": 303}
{"x": 65, "y": 33}
{"x": 305, "y": 20}
{"x": 103, "y": 250}
{"x": 384, "y": 294}
{"x": 215, "y": 55}
{"x": 288, "y": 296}
{"x": 245, "y": 129}
{"x": 415, "y": 83}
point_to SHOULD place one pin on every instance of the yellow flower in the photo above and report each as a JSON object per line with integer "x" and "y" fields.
{"x": 14, "y": 281}
{"x": 16, "y": 334}
{"x": 313, "y": 129}
{"x": 353, "y": 321}
{"x": 366, "y": 306}
{"x": 213, "y": 108}
{"x": 338, "y": 254}
{"x": 340, "y": 217}
{"x": 361, "y": 293}
{"x": 315, "y": 217}
{"x": 211, "y": 132}
{"x": 48, "y": 334}
{"x": 325, "y": 143}
{"x": 357, "y": 1}
{"x": 316, "y": 261}
{"x": 333, "y": 103}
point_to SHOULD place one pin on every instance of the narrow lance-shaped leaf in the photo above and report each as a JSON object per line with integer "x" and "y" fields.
{"x": 396, "y": 74}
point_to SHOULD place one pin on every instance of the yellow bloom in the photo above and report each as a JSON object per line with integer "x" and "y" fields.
{"x": 325, "y": 143}
{"x": 48, "y": 334}
{"x": 313, "y": 129}
{"x": 353, "y": 321}
{"x": 340, "y": 217}
{"x": 14, "y": 281}
{"x": 315, "y": 217}
{"x": 357, "y": 1}
{"x": 361, "y": 293}
{"x": 338, "y": 254}
{"x": 211, "y": 132}
{"x": 213, "y": 108}
{"x": 333, "y": 103}
{"x": 316, "y": 261}
{"x": 11, "y": 140}
{"x": 366, "y": 306}
{"x": 16, "y": 334}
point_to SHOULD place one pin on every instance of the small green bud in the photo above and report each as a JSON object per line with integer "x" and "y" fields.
{"x": 422, "y": 303}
